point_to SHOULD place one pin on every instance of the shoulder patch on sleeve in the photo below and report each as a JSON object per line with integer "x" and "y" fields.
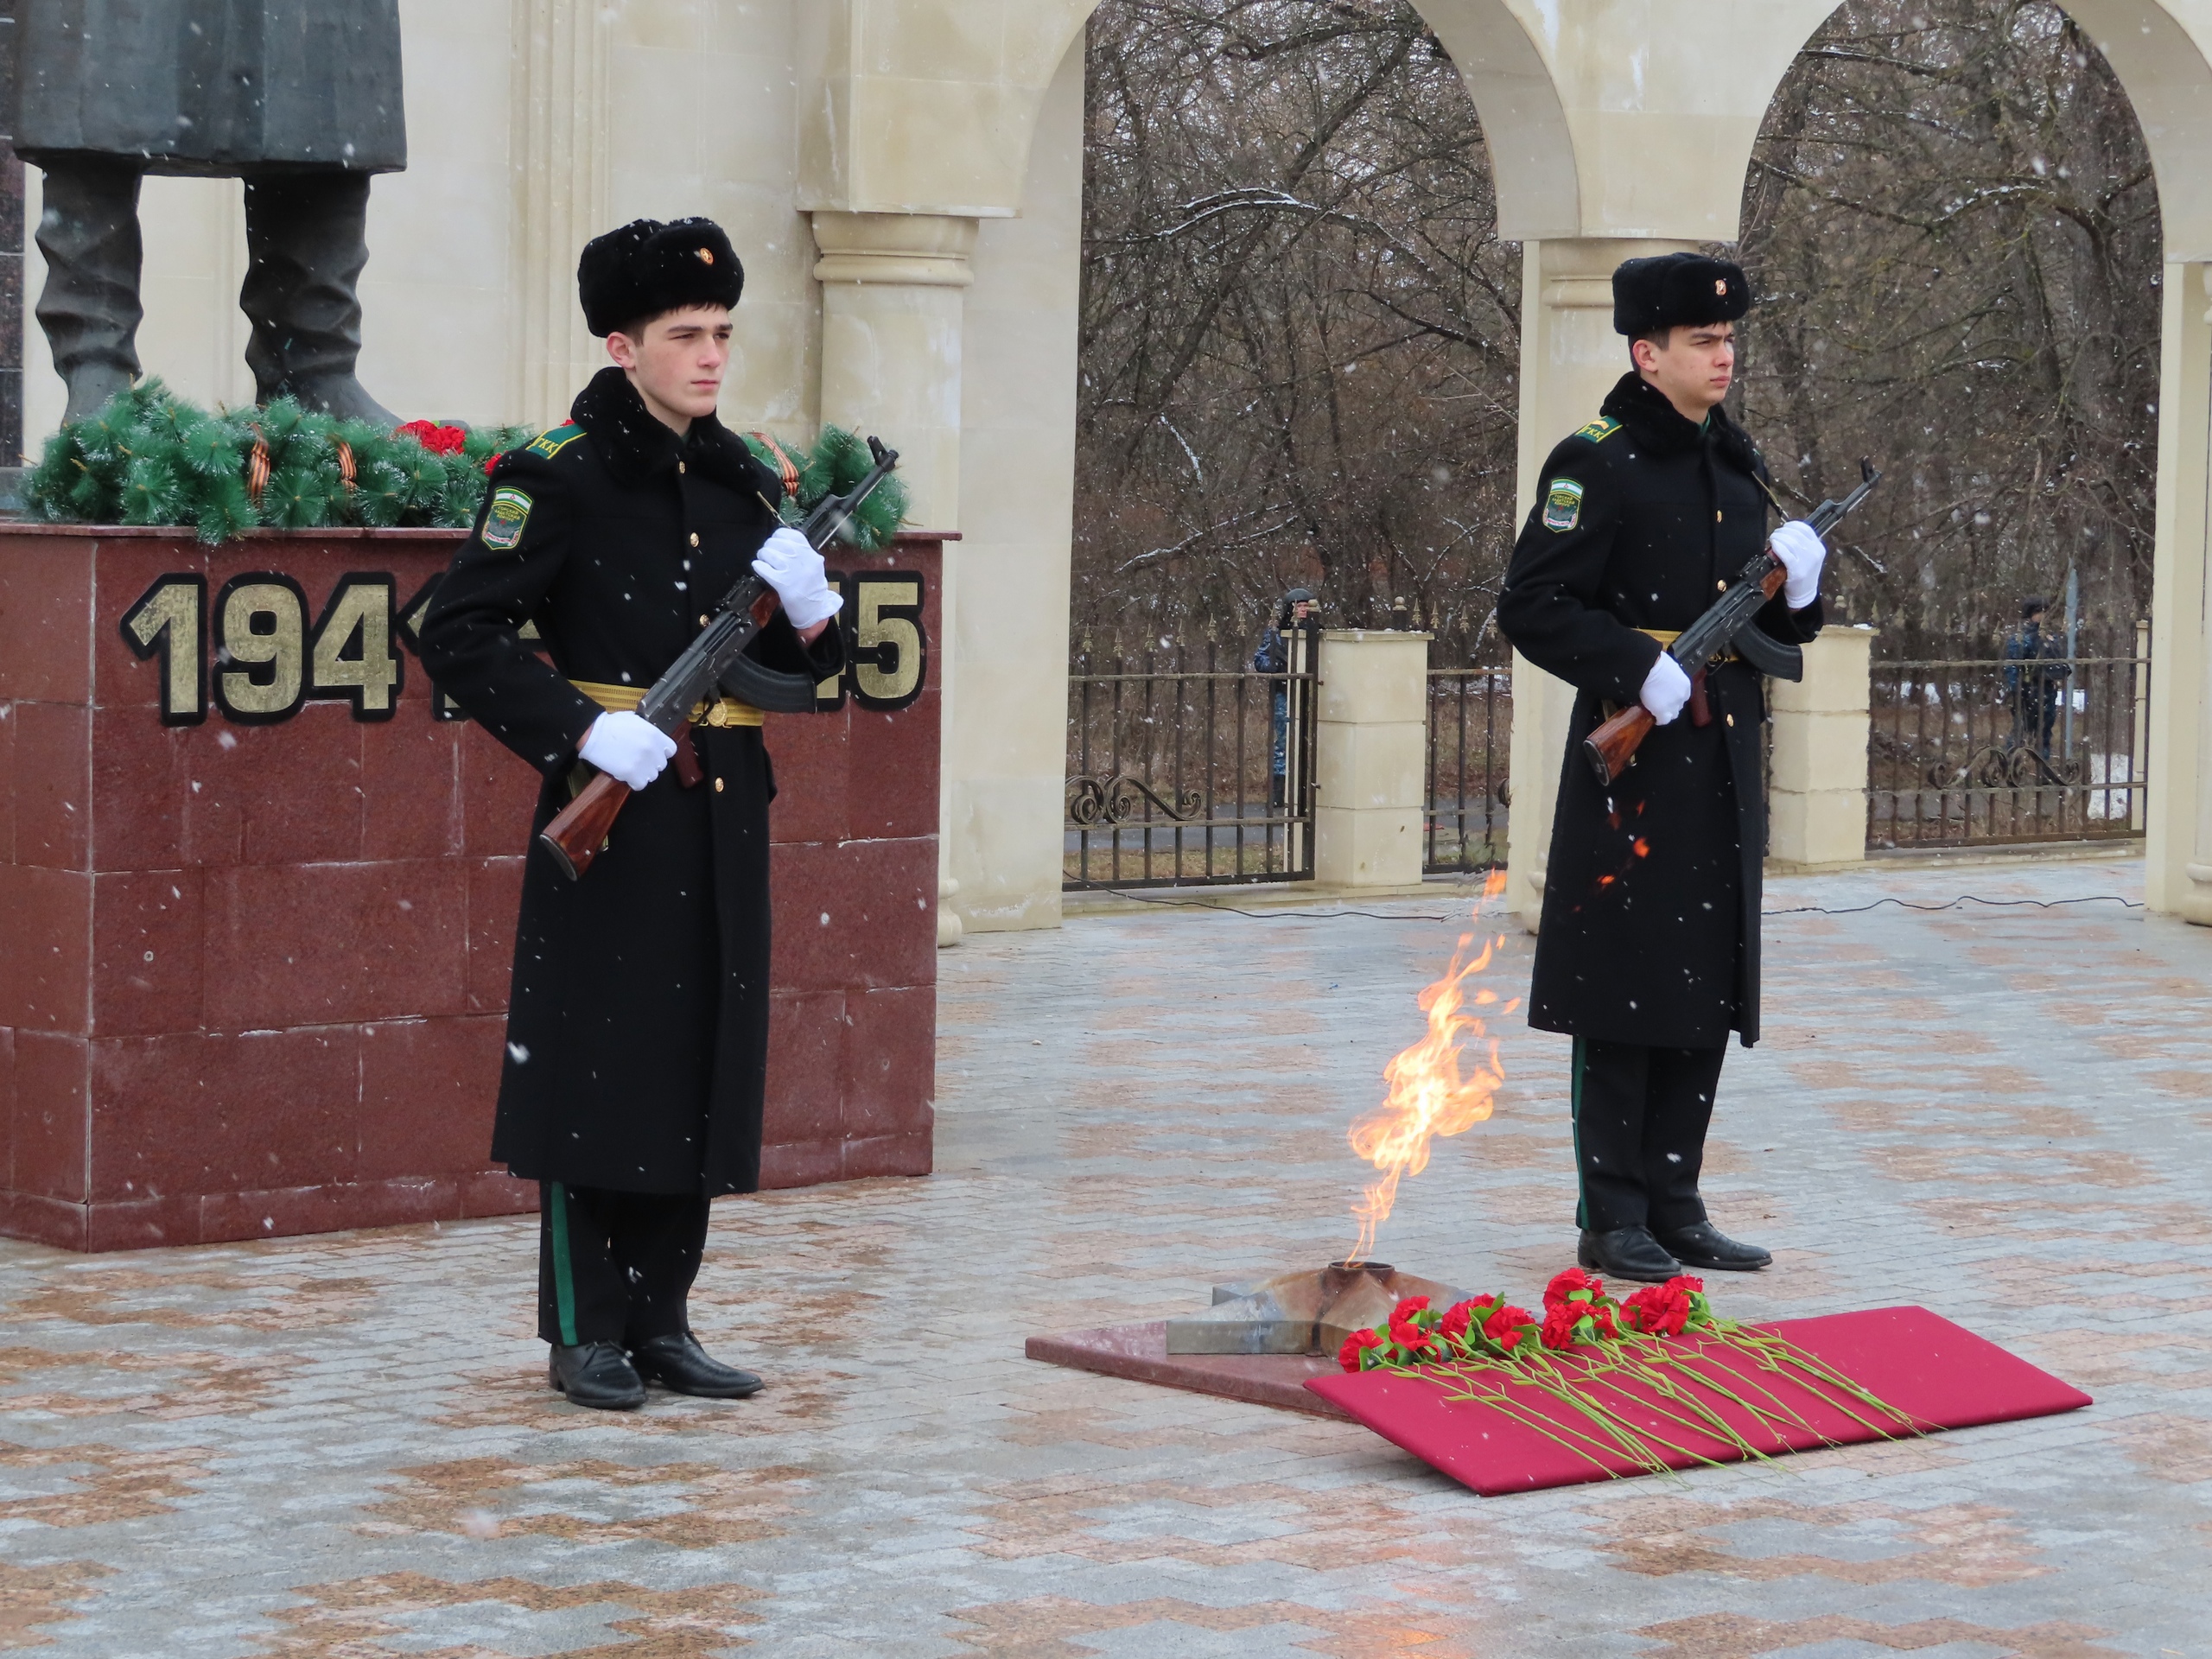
{"x": 506, "y": 518}
{"x": 1562, "y": 505}
{"x": 550, "y": 444}
{"x": 1600, "y": 429}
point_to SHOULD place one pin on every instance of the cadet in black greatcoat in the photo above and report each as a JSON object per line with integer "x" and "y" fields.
{"x": 1647, "y": 953}
{"x": 638, "y": 1017}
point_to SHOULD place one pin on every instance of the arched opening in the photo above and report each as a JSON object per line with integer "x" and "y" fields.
{"x": 1298, "y": 371}
{"x": 1953, "y": 223}
{"x": 1300, "y": 338}
{"x": 1952, "y": 220}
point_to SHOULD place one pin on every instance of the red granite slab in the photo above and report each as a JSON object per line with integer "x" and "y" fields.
{"x": 251, "y": 976}
{"x": 1139, "y": 1353}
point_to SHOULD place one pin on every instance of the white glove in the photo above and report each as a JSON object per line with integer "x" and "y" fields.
{"x": 1798, "y": 545}
{"x": 794, "y": 569}
{"x": 628, "y": 746}
{"x": 1666, "y": 689}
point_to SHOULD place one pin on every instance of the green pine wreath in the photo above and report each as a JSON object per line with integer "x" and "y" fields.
{"x": 150, "y": 457}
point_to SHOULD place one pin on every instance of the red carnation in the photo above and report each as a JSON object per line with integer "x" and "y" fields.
{"x": 1566, "y": 1284}
{"x": 1560, "y": 1320}
{"x": 1657, "y": 1309}
{"x": 1457, "y": 1318}
{"x": 1356, "y": 1345}
{"x": 1686, "y": 1283}
{"x": 1412, "y": 1305}
{"x": 1507, "y": 1326}
{"x": 438, "y": 440}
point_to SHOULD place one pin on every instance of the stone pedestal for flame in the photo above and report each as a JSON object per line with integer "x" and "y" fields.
{"x": 1308, "y": 1312}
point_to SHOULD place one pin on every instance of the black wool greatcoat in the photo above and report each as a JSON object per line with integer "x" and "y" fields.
{"x": 1650, "y": 929}
{"x": 213, "y": 86}
{"x": 637, "y": 1021}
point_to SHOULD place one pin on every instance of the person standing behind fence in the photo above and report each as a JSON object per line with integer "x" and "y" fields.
{"x": 2034, "y": 692}
{"x": 1273, "y": 658}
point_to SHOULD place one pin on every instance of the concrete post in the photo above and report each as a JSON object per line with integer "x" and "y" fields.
{"x": 1817, "y": 795}
{"x": 1570, "y": 358}
{"x": 1370, "y": 755}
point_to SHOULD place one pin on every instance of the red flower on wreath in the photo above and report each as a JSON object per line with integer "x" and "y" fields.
{"x": 438, "y": 440}
{"x": 1353, "y": 1353}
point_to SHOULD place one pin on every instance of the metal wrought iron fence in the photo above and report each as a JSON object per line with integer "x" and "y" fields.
{"x": 1978, "y": 751}
{"x": 1186, "y": 770}
{"x": 1470, "y": 735}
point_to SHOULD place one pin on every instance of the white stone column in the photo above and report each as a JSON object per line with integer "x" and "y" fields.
{"x": 1370, "y": 757}
{"x": 1570, "y": 358}
{"x": 1817, "y": 788}
{"x": 557, "y": 119}
{"x": 2178, "y": 875}
{"x": 893, "y": 301}
{"x": 893, "y": 292}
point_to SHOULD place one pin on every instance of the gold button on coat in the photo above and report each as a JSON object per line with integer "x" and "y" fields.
{"x": 718, "y": 782}
{"x": 694, "y": 538}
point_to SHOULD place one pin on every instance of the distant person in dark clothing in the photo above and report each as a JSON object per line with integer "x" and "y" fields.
{"x": 2035, "y": 678}
{"x": 1273, "y": 658}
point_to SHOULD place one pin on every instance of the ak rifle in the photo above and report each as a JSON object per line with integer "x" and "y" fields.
{"x": 1728, "y": 624}
{"x": 711, "y": 664}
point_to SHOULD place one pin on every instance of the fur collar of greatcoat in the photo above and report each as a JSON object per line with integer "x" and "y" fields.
{"x": 1662, "y": 429}
{"x": 638, "y": 448}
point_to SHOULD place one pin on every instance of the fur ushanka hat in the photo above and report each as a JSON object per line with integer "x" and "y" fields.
{"x": 647, "y": 268}
{"x": 1677, "y": 291}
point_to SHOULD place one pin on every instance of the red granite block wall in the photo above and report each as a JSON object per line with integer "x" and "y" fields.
{"x": 252, "y": 976}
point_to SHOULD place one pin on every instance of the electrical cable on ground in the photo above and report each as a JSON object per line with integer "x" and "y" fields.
{"x": 1794, "y": 910}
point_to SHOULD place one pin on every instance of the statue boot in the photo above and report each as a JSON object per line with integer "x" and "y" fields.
{"x": 88, "y": 231}
{"x": 306, "y": 240}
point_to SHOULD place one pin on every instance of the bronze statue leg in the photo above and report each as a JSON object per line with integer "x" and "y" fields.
{"x": 89, "y": 233}
{"x": 306, "y": 242}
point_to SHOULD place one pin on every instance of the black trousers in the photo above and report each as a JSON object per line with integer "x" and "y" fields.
{"x": 1640, "y": 1117}
{"x": 615, "y": 1266}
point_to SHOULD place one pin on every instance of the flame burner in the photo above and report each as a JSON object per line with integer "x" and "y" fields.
{"x": 1308, "y": 1312}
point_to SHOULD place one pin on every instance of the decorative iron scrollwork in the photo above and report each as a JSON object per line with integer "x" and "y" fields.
{"x": 1111, "y": 800}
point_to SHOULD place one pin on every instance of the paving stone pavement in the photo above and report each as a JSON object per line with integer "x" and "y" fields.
{"x": 343, "y": 1446}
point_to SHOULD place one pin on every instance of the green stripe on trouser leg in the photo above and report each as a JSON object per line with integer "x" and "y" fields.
{"x": 1574, "y": 1116}
{"x": 564, "y": 1280}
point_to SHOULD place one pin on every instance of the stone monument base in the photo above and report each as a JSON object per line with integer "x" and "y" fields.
{"x": 259, "y": 893}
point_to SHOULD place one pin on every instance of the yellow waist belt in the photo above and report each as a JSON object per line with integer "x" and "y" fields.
{"x": 625, "y": 699}
{"x": 1668, "y": 636}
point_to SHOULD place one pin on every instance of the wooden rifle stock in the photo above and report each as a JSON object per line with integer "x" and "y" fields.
{"x": 1612, "y": 746}
{"x": 580, "y": 829}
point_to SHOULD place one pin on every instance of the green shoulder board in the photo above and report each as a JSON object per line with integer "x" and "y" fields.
{"x": 551, "y": 444}
{"x": 1598, "y": 431}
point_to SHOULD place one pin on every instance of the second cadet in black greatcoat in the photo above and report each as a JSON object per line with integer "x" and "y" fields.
{"x": 1648, "y": 950}
{"x": 637, "y": 1023}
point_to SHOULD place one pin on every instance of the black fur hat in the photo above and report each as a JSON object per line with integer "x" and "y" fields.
{"x": 1677, "y": 291}
{"x": 647, "y": 268}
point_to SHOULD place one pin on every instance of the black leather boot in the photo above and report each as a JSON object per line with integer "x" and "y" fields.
{"x": 679, "y": 1365}
{"x": 88, "y": 231}
{"x": 1627, "y": 1252}
{"x": 305, "y": 238}
{"x": 595, "y": 1373}
{"x": 1706, "y": 1248}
